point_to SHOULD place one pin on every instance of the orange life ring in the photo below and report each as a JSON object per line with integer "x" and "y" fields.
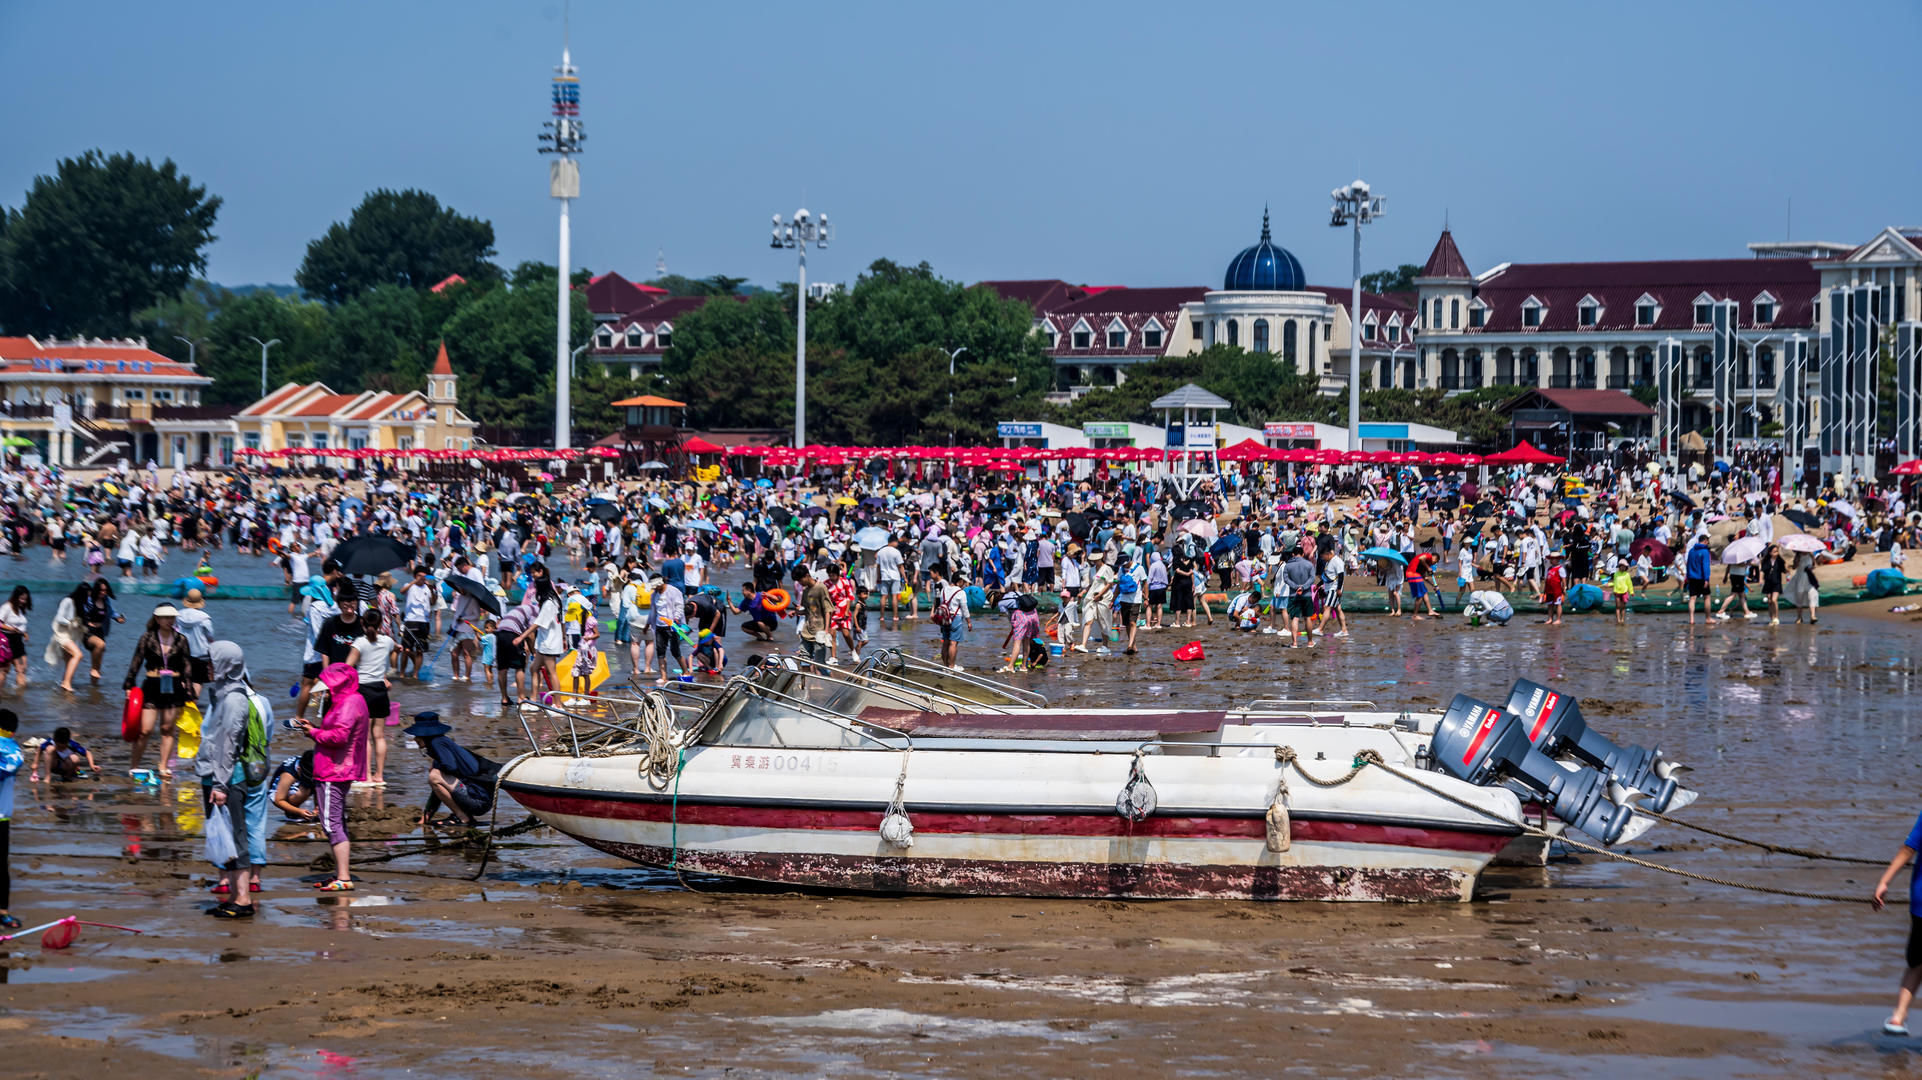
{"x": 209, "y": 580}
{"x": 273, "y": 544}
{"x": 776, "y": 600}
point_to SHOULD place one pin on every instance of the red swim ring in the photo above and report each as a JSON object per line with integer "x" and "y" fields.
{"x": 776, "y": 600}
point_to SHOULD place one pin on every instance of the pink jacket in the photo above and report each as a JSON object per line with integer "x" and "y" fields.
{"x": 340, "y": 739}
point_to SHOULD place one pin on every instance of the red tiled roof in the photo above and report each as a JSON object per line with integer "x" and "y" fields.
{"x": 612, "y": 294}
{"x": 1156, "y": 301}
{"x": 327, "y": 405}
{"x": 448, "y": 282}
{"x": 1382, "y": 306}
{"x": 24, "y": 356}
{"x": 1446, "y": 260}
{"x": 379, "y": 403}
{"x": 1584, "y": 402}
{"x": 1134, "y": 307}
{"x": 1673, "y": 284}
{"x": 441, "y": 364}
{"x": 1043, "y": 294}
{"x": 276, "y": 399}
{"x": 649, "y": 318}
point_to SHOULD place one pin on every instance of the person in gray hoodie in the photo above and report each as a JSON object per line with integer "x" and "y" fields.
{"x": 223, "y": 779}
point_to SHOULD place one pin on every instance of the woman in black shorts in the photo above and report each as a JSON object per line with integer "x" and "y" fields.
{"x": 160, "y": 668}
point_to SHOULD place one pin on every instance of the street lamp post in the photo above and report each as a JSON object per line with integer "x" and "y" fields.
{"x": 264, "y": 346}
{"x": 798, "y": 234}
{"x": 1355, "y": 207}
{"x": 190, "y": 343}
{"x": 952, "y": 353}
{"x": 563, "y": 138}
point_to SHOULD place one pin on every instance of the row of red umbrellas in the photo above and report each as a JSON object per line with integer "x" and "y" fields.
{"x": 1248, "y": 450}
{"x": 498, "y": 454}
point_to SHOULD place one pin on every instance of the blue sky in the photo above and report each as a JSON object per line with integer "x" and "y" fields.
{"x": 1114, "y": 143}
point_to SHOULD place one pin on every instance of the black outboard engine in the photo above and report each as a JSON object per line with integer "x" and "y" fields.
{"x": 1554, "y": 724}
{"x": 1480, "y": 743}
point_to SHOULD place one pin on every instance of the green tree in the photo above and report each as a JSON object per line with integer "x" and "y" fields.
{"x": 189, "y": 314}
{"x": 231, "y": 357}
{"x": 1399, "y": 280}
{"x": 379, "y": 340}
{"x": 404, "y": 238}
{"x": 100, "y": 240}
{"x": 504, "y": 342}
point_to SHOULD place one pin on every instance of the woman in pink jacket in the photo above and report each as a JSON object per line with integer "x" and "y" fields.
{"x": 340, "y": 759}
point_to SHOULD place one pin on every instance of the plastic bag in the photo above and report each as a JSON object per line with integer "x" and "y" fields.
{"x": 220, "y": 838}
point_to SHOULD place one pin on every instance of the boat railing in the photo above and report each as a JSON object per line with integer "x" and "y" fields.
{"x": 916, "y": 695}
{"x": 909, "y": 661}
{"x": 595, "y": 741}
{"x": 1270, "y": 704}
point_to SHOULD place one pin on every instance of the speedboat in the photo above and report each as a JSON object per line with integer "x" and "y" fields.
{"x": 899, "y": 776}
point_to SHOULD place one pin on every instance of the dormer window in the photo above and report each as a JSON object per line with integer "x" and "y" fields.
{"x": 1053, "y": 335}
{"x": 1477, "y": 314}
{"x": 1117, "y": 334}
{"x": 1394, "y": 328}
{"x": 636, "y": 337}
{"x": 663, "y": 336}
{"x": 1369, "y": 329}
{"x": 1647, "y": 311}
{"x": 1532, "y": 313}
{"x": 1151, "y": 334}
{"x": 1765, "y": 309}
{"x": 1704, "y": 309}
{"x": 1081, "y": 337}
{"x": 1589, "y": 313}
{"x": 604, "y": 338}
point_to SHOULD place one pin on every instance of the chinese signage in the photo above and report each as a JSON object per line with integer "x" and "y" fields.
{"x": 1288, "y": 431}
{"x": 1201, "y": 437}
{"x": 1018, "y": 431}
{"x": 1105, "y": 430}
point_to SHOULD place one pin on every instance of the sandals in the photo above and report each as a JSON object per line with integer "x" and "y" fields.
{"x": 335, "y": 885}
{"x": 1890, "y": 1027}
{"x": 8, "y": 922}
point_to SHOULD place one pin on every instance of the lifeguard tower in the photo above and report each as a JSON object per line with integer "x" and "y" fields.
{"x": 1191, "y": 439}
{"x": 652, "y": 433}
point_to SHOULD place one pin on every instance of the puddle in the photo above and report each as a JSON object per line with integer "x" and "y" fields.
{"x": 897, "y": 1022}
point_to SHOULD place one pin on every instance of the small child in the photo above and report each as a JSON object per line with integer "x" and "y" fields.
{"x": 62, "y": 757}
{"x": 1028, "y": 648}
{"x": 487, "y": 651}
{"x": 587, "y": 650}
{"x": 577, "y": 612}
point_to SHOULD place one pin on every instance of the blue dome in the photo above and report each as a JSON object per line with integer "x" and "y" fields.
{"x": 1266, "y": 267}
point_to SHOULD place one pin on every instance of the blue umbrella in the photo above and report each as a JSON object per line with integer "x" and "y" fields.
{"x": 702, "y": 525}
{"x": 1226, "y": 544}
{"x": 1384, "y": 553}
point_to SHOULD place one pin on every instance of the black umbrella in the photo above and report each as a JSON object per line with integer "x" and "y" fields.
{"x": 482, "y": 595}
{"x": 1803, "y": 518}
{"x": 779, "y": 516}
{"x": 1677, "y": 496}
{"x": 372, "y": 554}
{"x": 1077, "y": 524}
{"x": 813, "y": 511}
{"x": 1193, "y": 508}
{"x": 1481, "y": 509}
{"x": 605, "y": 511}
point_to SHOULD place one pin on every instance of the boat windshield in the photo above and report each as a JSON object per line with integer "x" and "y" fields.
{"x": 795, "y": 712}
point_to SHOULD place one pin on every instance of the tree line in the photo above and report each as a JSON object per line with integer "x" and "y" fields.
{"x": 114, "y": 246}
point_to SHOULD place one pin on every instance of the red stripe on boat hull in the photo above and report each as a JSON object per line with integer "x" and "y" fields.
{"x": 1127, "y": 881}
{"x": 991, "y": 824}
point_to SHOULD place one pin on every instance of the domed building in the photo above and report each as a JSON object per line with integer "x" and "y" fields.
{"x": 1096, "y": 333}
{"x": 1266, "y": 305}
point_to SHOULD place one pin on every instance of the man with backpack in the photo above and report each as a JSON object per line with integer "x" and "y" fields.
{"x": 232, "y": 765}
{"x": 950, "y": 613}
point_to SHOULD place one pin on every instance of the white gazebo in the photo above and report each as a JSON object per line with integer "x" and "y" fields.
{"x": 1190, "y": 438}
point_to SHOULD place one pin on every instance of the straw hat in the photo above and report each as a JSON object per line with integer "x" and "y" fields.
{"x": 194, "y": 599}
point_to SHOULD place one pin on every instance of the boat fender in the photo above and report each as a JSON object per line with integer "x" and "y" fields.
{"x": 1279, "y": 834}
{"x": 896, "y": 829}
{"x": 1137, "y": 799}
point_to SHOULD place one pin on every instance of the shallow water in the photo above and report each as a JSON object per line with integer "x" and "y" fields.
{"x": 1797, "y": 735}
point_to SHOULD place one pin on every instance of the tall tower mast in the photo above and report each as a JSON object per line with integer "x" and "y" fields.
{"x": 563, "y": 138}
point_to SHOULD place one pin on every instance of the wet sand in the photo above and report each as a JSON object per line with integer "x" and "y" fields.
{"x": 560, "y": 962}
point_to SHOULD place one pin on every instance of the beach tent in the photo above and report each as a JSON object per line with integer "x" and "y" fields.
{"x": 1523, "y": 454}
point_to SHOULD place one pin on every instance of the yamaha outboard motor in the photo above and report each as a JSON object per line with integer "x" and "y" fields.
{"x": 1480, "y": 743}
{"x": 1554, "y": 724}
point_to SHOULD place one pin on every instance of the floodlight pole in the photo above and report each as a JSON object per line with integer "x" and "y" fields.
{"x": 798, "y": 234}
{"x": 1354, "y": 206}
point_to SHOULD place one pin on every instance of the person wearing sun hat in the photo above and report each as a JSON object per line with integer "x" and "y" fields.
{"x": 458, "y": 777}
